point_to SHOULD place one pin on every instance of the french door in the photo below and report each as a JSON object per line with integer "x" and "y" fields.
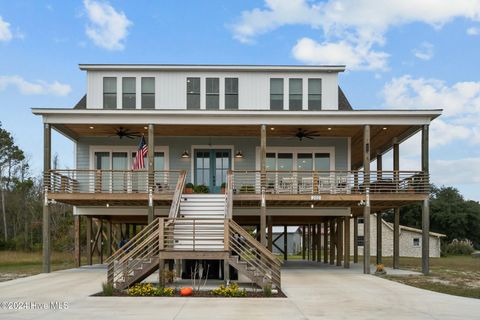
{"x": 211, "y": 167}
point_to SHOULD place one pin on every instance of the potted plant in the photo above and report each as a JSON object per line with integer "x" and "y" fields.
{"x": 380, "y": 269}
{"x": 223, "y": 187}
{"x": 189, "y": 188}
{"x": 201, "y": 189}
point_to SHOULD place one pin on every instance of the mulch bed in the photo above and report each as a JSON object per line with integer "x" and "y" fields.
{"x": 197, "y": 294}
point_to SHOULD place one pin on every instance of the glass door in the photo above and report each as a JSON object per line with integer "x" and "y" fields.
{"x": 211, "y": 167}
{"x": 119, "y": 173}
{"x": 102, "y": 178}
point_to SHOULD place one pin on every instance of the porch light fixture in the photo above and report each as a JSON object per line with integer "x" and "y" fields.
{"x": 185, "y": 154}
{"x": 108, "y": 205}
{"x": 384, "y": 128}
{"x": 239, "y": 154}
{"x": 272, "y": 128}
{"x": 145, "y": 128}
{"x": 329, "y": 128}
{"x": 91, "y": 127}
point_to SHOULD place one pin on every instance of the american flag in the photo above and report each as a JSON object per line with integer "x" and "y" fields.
{"x": 142, "y": 151}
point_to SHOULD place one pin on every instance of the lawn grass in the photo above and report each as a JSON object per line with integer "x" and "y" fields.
{"x": 15, "y": 264}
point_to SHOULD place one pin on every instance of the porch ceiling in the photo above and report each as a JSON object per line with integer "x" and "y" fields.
{"x": 381, "y": 136}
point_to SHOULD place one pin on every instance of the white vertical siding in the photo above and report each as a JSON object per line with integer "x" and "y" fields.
{"x": 253, "y": 88}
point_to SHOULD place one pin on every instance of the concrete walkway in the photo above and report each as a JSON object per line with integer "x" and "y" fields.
{"x": 313, "y": 293}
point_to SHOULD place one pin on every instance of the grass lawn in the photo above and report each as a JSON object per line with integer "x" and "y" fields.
{"x": 457, "y": 275}
{"x": 15, "y": 264}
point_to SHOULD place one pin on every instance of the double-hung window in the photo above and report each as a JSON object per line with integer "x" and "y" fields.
{"x": 231, "y": 93}
{"x": 212, "y": 93}
{"x": 314, "y": 94}
{"x": 148, "y": 93}
{"x": 295, "y": 94}
{"x": 109, "y": 93}
{"x": 193, "y": 93}
{"x": 276, "y": 94}
{"x": 128, "y": 93}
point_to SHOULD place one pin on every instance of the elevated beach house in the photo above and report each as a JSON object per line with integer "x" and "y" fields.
{"x": 262, "y": 145}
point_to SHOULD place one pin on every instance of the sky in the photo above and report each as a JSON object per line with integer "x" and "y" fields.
{"x": 399, "y": 54}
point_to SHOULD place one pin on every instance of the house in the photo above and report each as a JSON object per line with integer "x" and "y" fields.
{"x": 294, "y": 240}
{"x": 410, "y": 240}
{"x": 272, "y": 145}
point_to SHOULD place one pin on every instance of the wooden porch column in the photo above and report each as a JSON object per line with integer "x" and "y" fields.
{"x": 355, "y": 240}
{"x": 263, "y": 174}
{"x": 426, "y": 205}
{"x": 100, "y": 240}
{"x": 78, "y": 255}
{"x": 325, "y": 241}
{"x": 270, "y": 232}
{"x": 339, "y": 241}
{"x": 89, "y": 240}
{"x": 379, "y": 214}
{"x": 366, "y": 209}
{"x": 151, "y": 171}
{"x": 332, "y": 241}
{"x": 396, "y": 215}
{"x": 346, "y": 242}
{"x": 319, "y": 242}
{"x": 285, "y": 243}
{"x": 308, "y": 242}
{"x": 47, "y": 159}
{"x": 109, "y": 237}
{"x": 314, "y": 242}
{"x": 304, "y": 242}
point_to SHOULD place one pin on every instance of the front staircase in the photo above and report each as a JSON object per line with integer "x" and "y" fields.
{"x": 199, "y": 226}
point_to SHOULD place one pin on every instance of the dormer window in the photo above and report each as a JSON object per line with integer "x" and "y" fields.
{"x": 109, "y": 93}
{"x": 231, "y": 93}
{"x": 276, "y": 94}
{"x": 148, "y": 93}
{"x": 314, "y": 94}
{"x": 295, "y": 94}
{"x": 212, "y": 93}
{"x": 128, "y": 93}
{"x": 193, "y": 93}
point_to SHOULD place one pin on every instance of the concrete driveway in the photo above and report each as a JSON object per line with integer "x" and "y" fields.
{"x": 313, "y": 293}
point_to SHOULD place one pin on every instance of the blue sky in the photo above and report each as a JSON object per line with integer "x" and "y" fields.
{"x": 399, "y": 54}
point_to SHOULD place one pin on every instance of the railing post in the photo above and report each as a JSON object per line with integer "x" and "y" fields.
{"x": 161, "y": 237}
{"x": 226, "y": 235}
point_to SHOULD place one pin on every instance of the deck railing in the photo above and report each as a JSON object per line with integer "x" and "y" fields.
{"x": 330, "y": 182}
{"x": 110, "y": 181}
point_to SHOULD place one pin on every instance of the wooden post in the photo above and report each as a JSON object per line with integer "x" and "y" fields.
{"x": 109, "y": 237}
{"x": 339, "y": 241}
{"x": 285, "y": 243}
{"x": 379, "y": 237}
{"x": 396, "y": 162}
{"x": 47, "y": 154}
{"x": 100, "y": 241}
{"x": 396, "y": 238}
{"x": 161, "y": 272}
{"x": 332, "y": 241}
{"x": 78, "y": 255}
{"x": 325, "y": 241}
{"x": 263, "y": 179}
{"x": 308, "y": 242}
{"x": 355, "y": 240}
{"x": 314, "y": 242}
{"x": 304, "y": 241}
{"x": 346, "y": 242}
{"x": 426, "y": 205}
{"x": 270, "y": 232}
{"x": 151, "y": 171}
{"x": 89, "y": 240}
{"x": 319, "y": 242}
{"x": 366, "y": 209}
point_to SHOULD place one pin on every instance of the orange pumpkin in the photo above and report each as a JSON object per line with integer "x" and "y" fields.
{"x": 185, "y": 292}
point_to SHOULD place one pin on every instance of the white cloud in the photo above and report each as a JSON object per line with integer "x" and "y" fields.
{"x": 30, "y": 88}
{"x": 107, "y": 27}
{"x": 350, "y": 25}
{"x": 356, "y": 57}
{"x": 424, "y": 51}
{"x": 473, "y": 31}
{"x": 5, "y": 33}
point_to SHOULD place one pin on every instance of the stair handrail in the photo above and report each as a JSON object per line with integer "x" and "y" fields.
{"x": 229, "y": 195}
{"x": 177, "y": 196}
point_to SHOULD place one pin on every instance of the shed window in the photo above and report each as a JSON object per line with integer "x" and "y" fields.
{"x": 416, "y": 242}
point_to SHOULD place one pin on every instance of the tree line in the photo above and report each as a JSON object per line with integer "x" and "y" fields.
{"x": 21, "y": 196}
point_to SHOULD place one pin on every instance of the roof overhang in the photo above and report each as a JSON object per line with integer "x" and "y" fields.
{"x": 207, "y": 67}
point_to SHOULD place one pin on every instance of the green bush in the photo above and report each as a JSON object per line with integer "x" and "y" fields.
{"x": 107, "y": 289}
{"x": 232, "y": 290}
{"x": 148, "y": 290}
{"x": 459, "y": 248}
{"x": 200, "y": 189}
{"x": 267, "y": 290}
{"x": 189, "y": 185}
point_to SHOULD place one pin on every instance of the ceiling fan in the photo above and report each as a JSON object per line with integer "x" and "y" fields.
{"x": 122, "y": 132}
{"x": 303, "y": 133}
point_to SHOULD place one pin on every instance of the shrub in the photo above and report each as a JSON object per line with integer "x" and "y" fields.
{"x": 459, "y": 248}
{"x": 232, "y": 290}
{"x": 200, "y": 189}
{"x": 267, "y": 290}
{"x": 189, "y": 185}
{"x": 148, "y": 290}
{"x": 107, "y": 289}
